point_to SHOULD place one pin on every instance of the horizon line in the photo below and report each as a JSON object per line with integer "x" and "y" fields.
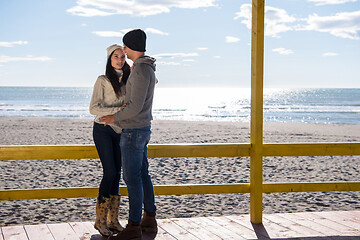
{"x": 222, "y": 87}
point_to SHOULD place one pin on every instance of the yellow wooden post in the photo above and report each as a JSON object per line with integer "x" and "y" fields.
{"x": 256, "y": 128}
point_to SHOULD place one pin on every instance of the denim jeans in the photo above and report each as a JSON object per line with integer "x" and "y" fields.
{"x": 107, "y": 145}
{"x": 135, "y": 165}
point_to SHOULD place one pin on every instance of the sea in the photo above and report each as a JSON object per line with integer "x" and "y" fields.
{"x": 316, "y": 105}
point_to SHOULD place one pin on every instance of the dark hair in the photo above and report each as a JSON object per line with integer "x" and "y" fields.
{"x": 111, "y": 74}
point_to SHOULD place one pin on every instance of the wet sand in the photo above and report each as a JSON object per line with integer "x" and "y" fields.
{"x": 30, "y": 174}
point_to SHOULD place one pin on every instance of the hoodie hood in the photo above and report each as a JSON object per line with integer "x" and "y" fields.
{"x": 146, "y": 60}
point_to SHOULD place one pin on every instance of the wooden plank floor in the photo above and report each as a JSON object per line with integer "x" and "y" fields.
{"x": 342, "y": 225}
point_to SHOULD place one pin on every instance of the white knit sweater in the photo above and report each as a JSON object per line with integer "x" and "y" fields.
{"x": 105, "y": 102}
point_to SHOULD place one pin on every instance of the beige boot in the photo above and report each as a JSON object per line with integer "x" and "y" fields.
{"x": 102, "y": 207}
{"x": 112, "y": 216}
{"x": 148, "y": 223}
{"x": 131, "y": 232}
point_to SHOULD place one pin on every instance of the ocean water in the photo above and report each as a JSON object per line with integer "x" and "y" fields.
{"x": 322, "y": 105}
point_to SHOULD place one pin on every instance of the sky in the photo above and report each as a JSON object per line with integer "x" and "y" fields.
{"x": 196, "y": 43}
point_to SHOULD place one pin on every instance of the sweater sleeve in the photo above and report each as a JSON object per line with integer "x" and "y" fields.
{"x": 96, "y": 104}
{"x": 139, "y": 89}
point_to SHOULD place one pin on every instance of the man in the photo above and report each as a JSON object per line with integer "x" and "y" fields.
{"x": 135, "y": 119}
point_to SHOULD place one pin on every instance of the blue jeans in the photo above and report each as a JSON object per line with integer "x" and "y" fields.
{"x": 107, "y": 145}
{"x": 135, "y": 165}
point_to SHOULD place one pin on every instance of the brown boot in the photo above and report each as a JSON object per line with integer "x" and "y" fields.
{"x": 131, "y": 232}
{"x": 112, "y": 217}
{"x": 102, "y": 206}
{"x": 148, "y": 223}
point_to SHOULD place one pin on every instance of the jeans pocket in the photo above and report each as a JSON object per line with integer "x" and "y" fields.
{"x": 142, "y": 139}
{"x": 125, "y": 139}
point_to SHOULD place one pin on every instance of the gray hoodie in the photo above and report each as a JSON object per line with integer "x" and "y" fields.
{"x": 139, "y": 95}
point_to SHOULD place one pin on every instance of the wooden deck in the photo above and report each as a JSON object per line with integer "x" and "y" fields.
{"x": 342, "y": 225}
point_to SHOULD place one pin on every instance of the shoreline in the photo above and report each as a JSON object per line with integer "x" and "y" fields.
{"x": 90, "y": 118}
{"x": 56, "y": 131}
{"x": 57, "y": 173}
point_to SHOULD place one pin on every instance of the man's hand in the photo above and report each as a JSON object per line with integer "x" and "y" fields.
{"x": 107, "y": 119}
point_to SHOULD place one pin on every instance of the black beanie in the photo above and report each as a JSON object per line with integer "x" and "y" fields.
{"x": 135, "y": 40}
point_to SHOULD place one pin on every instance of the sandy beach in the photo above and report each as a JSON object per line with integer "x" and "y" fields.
{"x": 30, "y": 174}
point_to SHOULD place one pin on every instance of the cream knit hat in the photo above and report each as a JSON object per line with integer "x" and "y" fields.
{"x": 112, "y": 48}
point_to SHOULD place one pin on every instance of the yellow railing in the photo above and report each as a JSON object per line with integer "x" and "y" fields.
{"x": 256, "y": 150}
{"x": 183, "y": 150}
{"x": 256, "y": 124}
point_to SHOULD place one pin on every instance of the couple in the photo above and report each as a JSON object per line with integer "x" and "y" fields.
{"x": 122, "y": 102}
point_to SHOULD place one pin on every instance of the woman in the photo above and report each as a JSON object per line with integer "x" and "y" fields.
{"x": 108, "y": 98}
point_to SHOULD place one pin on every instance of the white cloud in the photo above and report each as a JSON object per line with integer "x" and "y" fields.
{"x": 90, "y": 8}
{"x": 276, "y": 19}
{"x": 164, "y": 56}
{"x": 216, "y": 57}
{"x": 283, "y": 51}
{"x": 330, "y": 2}
{"x": 344, "y": 25}
{"x": 155, "y": 31}
{"x": 174, "y": 55}
{"x": 12, "y": 44}
{"x": 121, "y": 33}
{"x": 329, "y": 54}
{"x": 230, "y": 39}
{"x": 5, "y": 59}
{"x": 167, "y": 63}
{"x": 245, "y": 12}
{"x": 109, "y": 34}
{"x": 202, "y": 48}
{"x": 88, "y": 12}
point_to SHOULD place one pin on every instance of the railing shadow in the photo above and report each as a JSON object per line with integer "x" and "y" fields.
{"x": 260, "y": 231}
{"x": 262, "y": 234}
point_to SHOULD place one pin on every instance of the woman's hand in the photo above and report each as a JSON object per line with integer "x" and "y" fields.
{"x": 107, "y": 119}
{"x": 123, "y": 106}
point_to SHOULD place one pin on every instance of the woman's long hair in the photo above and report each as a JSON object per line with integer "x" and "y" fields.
{"x": 111, "y": 74}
